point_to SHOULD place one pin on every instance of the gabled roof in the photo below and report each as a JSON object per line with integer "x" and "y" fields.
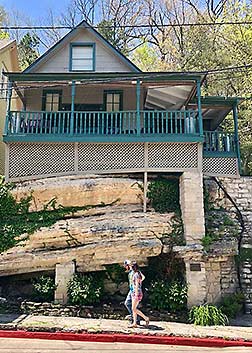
{"x": 11, "y": 47}
{"x": 5, "y": 43}
{"x": 64, "y": 39}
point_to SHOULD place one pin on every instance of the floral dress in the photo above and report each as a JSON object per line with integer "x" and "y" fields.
{"x": 137, "y": 278}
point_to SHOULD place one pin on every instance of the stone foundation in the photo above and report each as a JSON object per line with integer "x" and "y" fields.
{"x": 107, "y": 235}
{"x": 240, "y": 189}
{"x": 192, "y": 207}
{"x": 221, "y": 278}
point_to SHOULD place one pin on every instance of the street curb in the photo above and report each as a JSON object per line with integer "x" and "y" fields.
{"x": 126, "y": 338}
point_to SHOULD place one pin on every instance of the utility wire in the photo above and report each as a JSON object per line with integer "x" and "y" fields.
{"x": 190, "y": 24}
{"x": 238, "y": 68}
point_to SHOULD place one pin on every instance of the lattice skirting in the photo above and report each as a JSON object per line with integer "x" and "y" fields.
{"x": 38, "y": 160}
{"x": 220, "y": 166}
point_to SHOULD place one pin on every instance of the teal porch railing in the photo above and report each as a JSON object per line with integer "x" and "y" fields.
{"x": 219, "y": 142}
{"x": 117, "y": 126}
{"x": 102, "y": 123}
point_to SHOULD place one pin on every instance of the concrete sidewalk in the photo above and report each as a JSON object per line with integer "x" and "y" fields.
{"x": 158, "y": 328}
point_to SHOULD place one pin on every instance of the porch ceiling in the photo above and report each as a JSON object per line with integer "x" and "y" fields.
{"x": 216, "y": 108}
{"x": 169, "y": 97}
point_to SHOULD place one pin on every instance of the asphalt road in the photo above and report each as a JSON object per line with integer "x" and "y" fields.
{"x": 21, "y": 345}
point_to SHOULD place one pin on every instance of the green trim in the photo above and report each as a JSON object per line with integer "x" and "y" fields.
{"x": 81, "y": 44}
{"x": 8, "y": 106}
{"x": 46, "y": 91}
{"x": 211, "y": 154}
{"x": 103, "y": 138}
{"x": 138, "y": 116}
{"x": 69, "y": 76}
{"x": 235, "y": 116}
{"x": 73, "y": 89}
{"x": 108, "y": 91}
{"x": 219, "y": 101}
{"x": 199, "y": 108}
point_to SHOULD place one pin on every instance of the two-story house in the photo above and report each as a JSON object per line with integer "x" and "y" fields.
{"x": 88, "y": 109}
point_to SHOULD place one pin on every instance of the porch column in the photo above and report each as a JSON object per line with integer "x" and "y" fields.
{"x": 72, "y": 108}
{"x": 63, "y": 274}
{"x": 192, "y": 207}
{"x": 199, "y": 108}
{"x": 196, "y": 282}
{"x": 235, "y": 116}
{"x": 138, "y": 115}
{"x": 8, "y": 106}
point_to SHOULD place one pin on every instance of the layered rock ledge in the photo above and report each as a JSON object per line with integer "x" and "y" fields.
{"x": 96, "y": 238}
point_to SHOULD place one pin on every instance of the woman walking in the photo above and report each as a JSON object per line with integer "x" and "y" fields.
{"x": 137, "y": 294}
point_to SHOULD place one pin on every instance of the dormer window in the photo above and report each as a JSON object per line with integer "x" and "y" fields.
{"x": 82, "y": 57}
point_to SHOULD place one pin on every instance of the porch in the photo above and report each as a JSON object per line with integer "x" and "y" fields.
{"x": 135, "y": 124}
{"x": 122, "y": 126}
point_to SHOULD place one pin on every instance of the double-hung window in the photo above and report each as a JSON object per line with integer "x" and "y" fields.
{"x": 52, "y": 100}
{"x": 82, "y": 57}
{"x": 113, "y": 101}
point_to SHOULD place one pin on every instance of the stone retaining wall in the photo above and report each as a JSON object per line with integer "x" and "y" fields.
{"x": 221, "y": 278}
{"x": 106, "y": 311}
{"x": 240, "y": 189}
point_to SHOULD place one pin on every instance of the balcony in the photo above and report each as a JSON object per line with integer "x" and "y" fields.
{"x": 219, "y": 144}
{"x": 122, "y": 126}
{"x": 102, "y": 126}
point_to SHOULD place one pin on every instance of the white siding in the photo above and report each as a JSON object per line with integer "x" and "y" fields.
{"x": 106, "y": 60}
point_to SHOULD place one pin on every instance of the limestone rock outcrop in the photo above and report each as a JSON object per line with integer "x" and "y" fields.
{"x": 80, "y": 190}
{"x": 99, "y": 237}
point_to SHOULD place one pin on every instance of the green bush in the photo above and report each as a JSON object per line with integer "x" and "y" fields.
{"x": 165, "y": 296}
{"x": 85, "y": 289}
{"x": 43, "y": 289}
{"x": 164, "y": 195}
{"x": 231, "y": 305}
{"x": 207, "y": 315}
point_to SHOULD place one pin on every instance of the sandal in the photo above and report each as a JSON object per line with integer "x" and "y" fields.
{"x": 147, "y": 322}
{"x": 133, "y": 326}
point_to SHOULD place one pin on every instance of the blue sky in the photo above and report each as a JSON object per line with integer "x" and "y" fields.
{"x": 34, "y": 8}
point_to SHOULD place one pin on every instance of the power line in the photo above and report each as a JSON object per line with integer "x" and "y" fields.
{"x": 190, "y": 24}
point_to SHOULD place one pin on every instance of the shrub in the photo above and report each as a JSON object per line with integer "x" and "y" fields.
{"x": 232, "y": 304}
{"x": 165, "y": 296}
{"x": 207, "y": 315}
{"x": 177, "y": 297}
{"x": 43, "y": 289}
{"x": 85, "y": 289}
{"x": 164, "y": 195}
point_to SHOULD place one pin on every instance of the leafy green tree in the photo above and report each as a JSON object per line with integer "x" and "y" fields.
{"x": 28, "y": 50}
{"x": 146, "y": 58}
